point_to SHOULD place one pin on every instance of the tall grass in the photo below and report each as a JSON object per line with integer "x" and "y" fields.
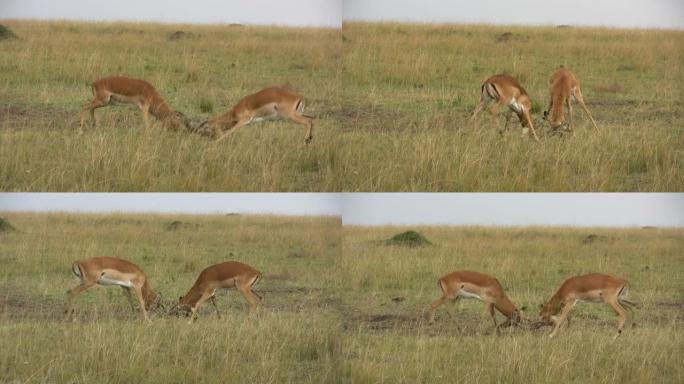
{"x": 387, "y": 289}
{"x": 293, "y": 337}
{"x": 43, "y": 78}
{"x": 408, "y": 91}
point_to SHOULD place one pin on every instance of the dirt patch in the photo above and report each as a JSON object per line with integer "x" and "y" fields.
{"x": 20, "y": 116}
{"x": 5, "y": 226}
{"x": 509, "y": 36}
{"x": 6, "y": 33}
{"x": 409, "y": 239}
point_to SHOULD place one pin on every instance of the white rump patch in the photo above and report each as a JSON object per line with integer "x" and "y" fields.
{"x": 515, "y": 106}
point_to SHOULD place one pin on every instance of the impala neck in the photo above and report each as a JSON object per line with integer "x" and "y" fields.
{"x": 506, "y": 307}
{"x": 149, "y": 294}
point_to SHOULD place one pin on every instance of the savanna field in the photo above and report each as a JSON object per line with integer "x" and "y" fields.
{"x": 201, "y": 71}
{"x": 339, "y": 305}
{"x": 293, "y": 336}
{"x": 387, "y": 289}
{"x": 408, "y": 91}
{"x": 392, "y": 102}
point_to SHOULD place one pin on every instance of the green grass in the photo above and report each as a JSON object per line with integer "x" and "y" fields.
{"x": 43, "y": 77}
{"x": 293, "y": 337}
{"x": 408, "y": 91}
{"x": 387, "y": 289}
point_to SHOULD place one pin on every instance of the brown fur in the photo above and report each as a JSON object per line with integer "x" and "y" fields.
{"x": 92, "y": 269}
{"x": 594, "y": 287}
{"x": 269, "y": 103}
{"x": 131, "y": 91}
{"x": 564, "y": 88}
{"x": 230, "y": 274}
{"x": 501, "y": 90}
{"x": 485, "y": 286}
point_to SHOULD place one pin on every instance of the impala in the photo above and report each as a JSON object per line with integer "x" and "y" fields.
{"x": 594, "y": 287}
{"x": 564, "y": 89}
{"x": 230, "y": 274}
{"x": 505, "y": 91}
{"x": 267, "y": 104}
{"x": 113, "y": 271}
{"x": 475, "y": 285}
{"x": 132, "y": 91}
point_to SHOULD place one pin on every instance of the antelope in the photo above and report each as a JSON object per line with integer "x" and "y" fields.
{"x": 268, "y": 104}
{"x": 506, "y": 91}
{"x": 594, "y": 287}
{"x": 475, "y": 285}
{"x": 132, "y": 91}
{"x": 230, "y": 274}
{"x": 564, "y": 89}
{"x": 113, "y": 271}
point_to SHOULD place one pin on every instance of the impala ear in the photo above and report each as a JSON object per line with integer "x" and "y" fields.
{"x": 541, "y": 305}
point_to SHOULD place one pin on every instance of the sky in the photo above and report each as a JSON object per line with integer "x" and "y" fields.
{"x": 330, "y": 13}
{"x": 495, "y": 209}
{"x": 612, "y": 13}
{"x": 313, "y": 13}
{"x": 508, "y": 209}
{"x": 208, "y": 203}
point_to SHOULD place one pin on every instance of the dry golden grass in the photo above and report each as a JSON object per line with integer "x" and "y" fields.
{"x": 408, "y": 91}
{"x": 43, "y": 77}
{"x": 293, "y": 337}
{"x": 387, "y": 289}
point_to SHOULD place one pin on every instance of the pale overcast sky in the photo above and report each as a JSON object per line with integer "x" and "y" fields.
{"x": 320, "y": 13}
{"x": 613, "y": 13}
{"x": 501, "y": 209}
{"x": 506, "y": 209}
{"x": 255, "y": 203}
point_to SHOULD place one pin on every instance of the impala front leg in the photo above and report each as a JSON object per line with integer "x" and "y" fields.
{"x": 564, "y": 314}
{"x": 233, "y": 129}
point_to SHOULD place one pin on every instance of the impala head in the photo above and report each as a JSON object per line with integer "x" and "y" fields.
{"x": 180, "y": 116}
{"x": 185, "y": 304}
{"x": 547, "y": 312}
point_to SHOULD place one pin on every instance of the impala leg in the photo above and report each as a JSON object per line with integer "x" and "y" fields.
{"x": 91, "y": 107}
{"x": 141, "y": 301}
{"x": 508, "y": 120}
{"x": 252, "y": 299}
{"x": 580, "y": 100}
{"x": 620, "y": 312}
{"x": 563, "y": 315}
{"x": 146, "y": 116}
{"x": 74, "y": 292}
{"x": 478, "y": 109}
{"x": 306, "y": 121}
{"x": 205, "y": 296}
{"x": 213, "y": 302}
{"x": 570, "y": 116}
{"x": 528, "y": 118}
{"x": 129, "y": 297}
{"x": 433, "y": 308}
{"x": 233, "y": 129}
{"x": 489, "y": 307}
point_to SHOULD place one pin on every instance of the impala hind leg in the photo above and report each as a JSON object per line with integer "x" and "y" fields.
{"x": 251, "y": 297}
{"x": 90, "y": 109}
{"x": 478, "y": 109}
{"x": 580, "y": 100}
{"x": 620, "y": 311}
{"x": 489, "y": 307}
{"x": 528, "y": 119}
{"x": 205, "y": 296}
{"x": 307, "y": 122}
{"x": 138, "y": 293}
{"x": 129, "y": 297}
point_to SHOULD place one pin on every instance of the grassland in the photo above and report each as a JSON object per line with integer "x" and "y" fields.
{"x": 386, "y": 290}
{"x": 293, "y": 337}
{"x": 408, "y": 91}
{"x": 201, "y": 71}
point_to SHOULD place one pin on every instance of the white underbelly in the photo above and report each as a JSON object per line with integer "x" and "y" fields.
{"x": 104, "y": 280}
{"x": 468, "y": 295}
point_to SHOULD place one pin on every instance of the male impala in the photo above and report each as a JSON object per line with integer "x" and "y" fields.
{"x": 564, "y": 89}
{"x": 267, "y": 104}
{"x": 132, "y": 91}
{"x": 506, "y": 92}
{"x": 594, "y": 287}
{"x": 112, "y": 271}
{"x": 475, "y": 285}
{"x": 230, "y": 274}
